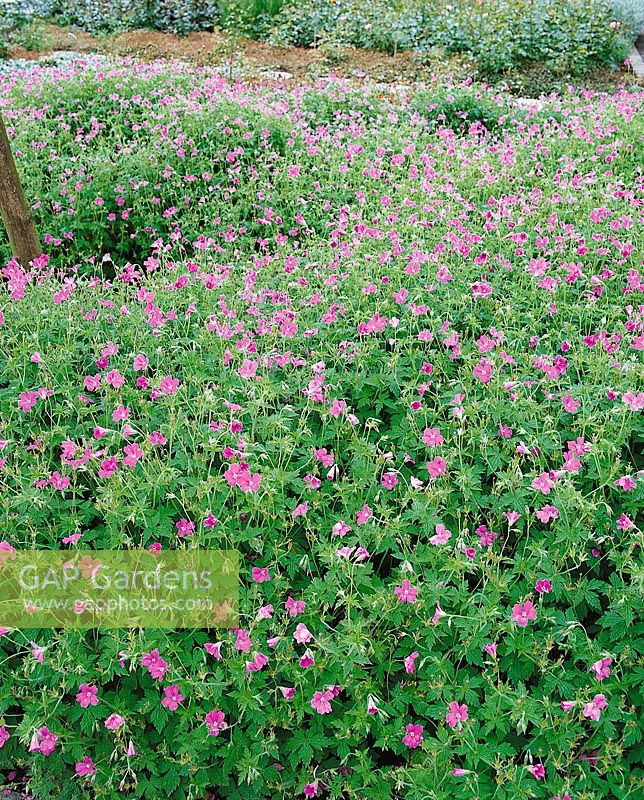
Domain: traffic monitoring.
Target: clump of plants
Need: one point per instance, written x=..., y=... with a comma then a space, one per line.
x=397, y=366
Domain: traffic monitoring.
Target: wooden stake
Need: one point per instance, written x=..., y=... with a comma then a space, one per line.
x=14, y=209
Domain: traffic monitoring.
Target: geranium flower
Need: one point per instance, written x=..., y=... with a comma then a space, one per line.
x=406, y=592
x=413, y=736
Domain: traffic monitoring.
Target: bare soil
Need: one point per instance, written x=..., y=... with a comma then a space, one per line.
x=254, y=57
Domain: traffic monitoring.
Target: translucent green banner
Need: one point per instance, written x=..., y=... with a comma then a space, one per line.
x=119, y=589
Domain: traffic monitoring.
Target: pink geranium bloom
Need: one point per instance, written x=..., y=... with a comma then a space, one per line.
x=321, y=702
x=4, y=736
x=114, y=722
x=522, y=613
x=87, y=695
x=85, y=767
x=406, y=592
x=215, y=722
x=593, y=710
x=156, y=666
x=410, y=662
x=601, y=668
x=302, y=634
x=538, y=770
x=43, y=741
x=543, y=483
x=547, y=513
x=456, y=714
x=169, y=385
x=433, y=437
x=543, y=586
x=413, y=736
x=213, y=649
x=260, y=574
x=441, y=536
x=173, y=697
x=436, y=467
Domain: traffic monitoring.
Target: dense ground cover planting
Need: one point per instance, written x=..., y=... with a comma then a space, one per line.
x=389, y=347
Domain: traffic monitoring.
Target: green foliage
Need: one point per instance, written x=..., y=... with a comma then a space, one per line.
x=346, y=285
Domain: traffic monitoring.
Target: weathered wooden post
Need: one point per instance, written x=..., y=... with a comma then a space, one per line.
x=14, y=209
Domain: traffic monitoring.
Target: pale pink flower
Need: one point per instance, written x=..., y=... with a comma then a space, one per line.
x=114, y=722
x=321, y=702
x=441, y=536
x=522, y=613
x=433, y=437
x=302, y=634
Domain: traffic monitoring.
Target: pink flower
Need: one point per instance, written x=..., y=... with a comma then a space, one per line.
x=543, y=586
x=140, y=363
x=483, y=370
x=248, y=369
x=87, y=695
x=114, y=722
x=570, y=404
x=85, y=767
x=593, y=710
x=626, y=483
x=307, y=660
x=156, y=666
x=436, y=467
x=413, y=736
x=4, y=735
x=321, y=702
x=213, y=649
x=547, y=513
x=169, y=385
x=456, y=714
x=260, y=574
x=389, y=480
x=538, y=770
x=242, y=641
x=43, y=741
x=406, y=592
x=215, y=722
x=432, y=437
x=294, y=607
x=438, y=614
x=441, y=536
x=302, y=634
x=543, y=483
x=340, y=528
x=108, y=467
x=410, y=663
x=491, y=648
x=173, y=697
x=338, y=407
x=601, y=668
x=185, y=527
x=522, y=613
